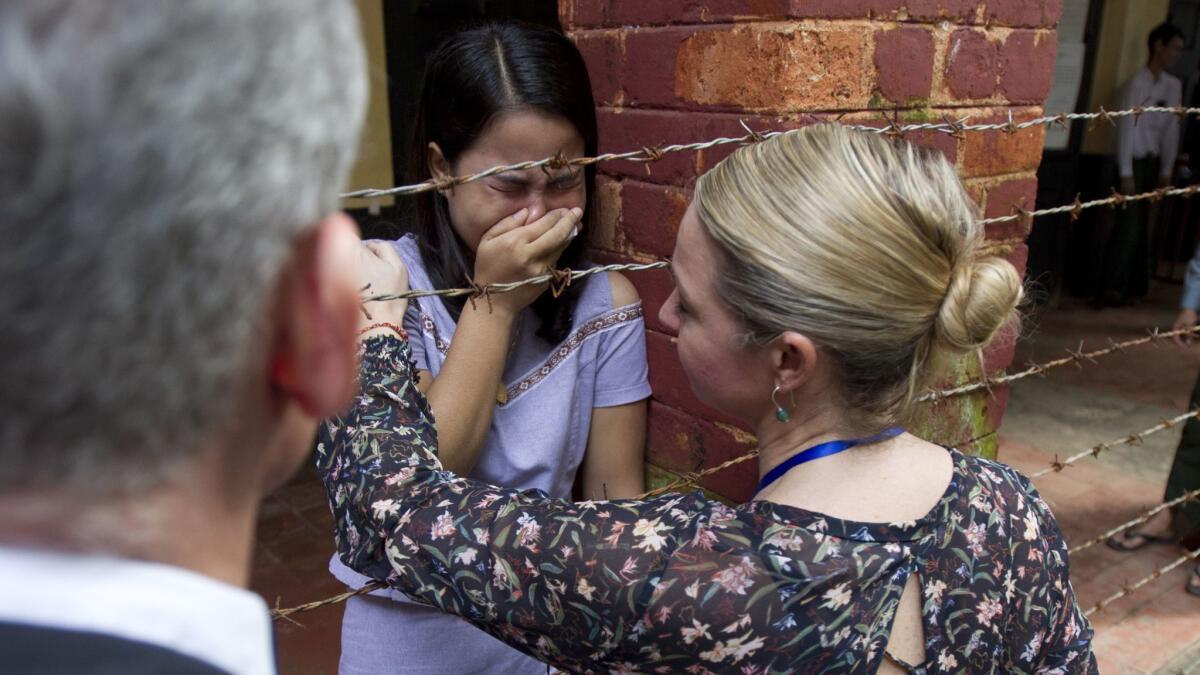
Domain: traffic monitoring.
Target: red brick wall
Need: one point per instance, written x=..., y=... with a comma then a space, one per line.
x=677, y=71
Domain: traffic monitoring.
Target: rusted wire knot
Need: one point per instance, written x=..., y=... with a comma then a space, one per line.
x=652, y=154
x=754, y=136
x=446, y=183
x=955, y=128
x=1137, y=114
x=1118, y=199
x=560, y=280
x=479, y=291
x=1023, y=214
x=1057, y=465
x=1157, y=195
x=1063, y=121
x=558, y=161
x=1107, y=117
x=1011, y=127
x=1077, y=209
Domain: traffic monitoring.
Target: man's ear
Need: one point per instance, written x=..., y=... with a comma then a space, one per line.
x=313, y=360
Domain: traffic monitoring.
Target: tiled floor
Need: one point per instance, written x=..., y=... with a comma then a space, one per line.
x=1156, y=629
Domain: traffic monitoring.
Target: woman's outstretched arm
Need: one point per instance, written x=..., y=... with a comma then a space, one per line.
x=567, y=583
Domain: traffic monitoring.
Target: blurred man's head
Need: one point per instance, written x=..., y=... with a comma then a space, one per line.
x=177, y=285
x=1166, y=45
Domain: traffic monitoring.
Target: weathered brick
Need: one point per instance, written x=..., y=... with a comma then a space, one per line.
x=574, y=13
x=998, y=355
x=994, y=153
x=653, y=54
x=904, y=63
x=1019, y=257
x=971, y=64
x=596, y=13
x=1027, y=66
x=1024, y=13
x=774, y=67
x=605, y=228
x=1003, y=199
x=682, y=442
x=961, y=11
x=670, y=383
x=844, y=9
x=650, y=216
x=602, y=53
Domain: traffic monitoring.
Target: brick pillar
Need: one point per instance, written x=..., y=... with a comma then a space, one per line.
x=677, y=71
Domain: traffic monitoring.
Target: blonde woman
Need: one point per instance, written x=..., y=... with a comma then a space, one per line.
x=819, y=275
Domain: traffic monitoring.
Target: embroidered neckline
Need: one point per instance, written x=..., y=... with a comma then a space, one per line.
x=610, y=319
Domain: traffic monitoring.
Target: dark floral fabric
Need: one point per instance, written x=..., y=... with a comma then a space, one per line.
x=682, y=583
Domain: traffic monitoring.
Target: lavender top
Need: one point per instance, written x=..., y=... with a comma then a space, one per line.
x=539, y=434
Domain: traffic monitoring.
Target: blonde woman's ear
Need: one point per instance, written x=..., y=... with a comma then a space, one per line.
x=794, y=359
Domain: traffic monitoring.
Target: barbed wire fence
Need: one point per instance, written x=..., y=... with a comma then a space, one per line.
x=1078, y=357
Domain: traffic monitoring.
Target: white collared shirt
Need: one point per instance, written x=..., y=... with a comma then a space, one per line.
x=1152, y=133
x=157, y=604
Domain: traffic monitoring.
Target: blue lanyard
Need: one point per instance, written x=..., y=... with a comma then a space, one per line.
x=823, y=450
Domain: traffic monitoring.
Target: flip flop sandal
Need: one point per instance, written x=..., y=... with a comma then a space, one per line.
x=1193, y=584
x=1132, y=541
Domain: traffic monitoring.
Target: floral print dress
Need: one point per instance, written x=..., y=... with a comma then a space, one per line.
x=682, y=583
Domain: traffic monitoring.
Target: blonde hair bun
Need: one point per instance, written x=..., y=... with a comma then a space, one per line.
x=981, y=298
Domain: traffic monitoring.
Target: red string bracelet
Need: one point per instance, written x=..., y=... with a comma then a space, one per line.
x=397, y=329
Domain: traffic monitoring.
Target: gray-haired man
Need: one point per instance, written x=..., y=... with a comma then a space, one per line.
x=179, y=297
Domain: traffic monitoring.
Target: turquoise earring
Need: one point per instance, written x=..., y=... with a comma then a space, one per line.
x=781, y=413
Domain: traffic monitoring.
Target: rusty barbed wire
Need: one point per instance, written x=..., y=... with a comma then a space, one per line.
x=1116, y=199
x=559, y=277
x=1132, y=439
x=369, y=587
x=647, y=154
x=989, y=248
x=690, y=479
x=1142, y=518
x=1075, y=357
x=1126, y=590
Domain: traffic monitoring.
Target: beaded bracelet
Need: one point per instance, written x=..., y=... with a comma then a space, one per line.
x=397, y=329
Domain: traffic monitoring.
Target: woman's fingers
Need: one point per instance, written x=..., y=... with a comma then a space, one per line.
x=507, y=225
x=556, y=234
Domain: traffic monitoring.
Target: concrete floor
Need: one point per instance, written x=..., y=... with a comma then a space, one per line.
x=1157, y=628
x=1154, y=630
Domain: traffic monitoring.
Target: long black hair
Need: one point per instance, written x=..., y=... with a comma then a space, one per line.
x=473, y=76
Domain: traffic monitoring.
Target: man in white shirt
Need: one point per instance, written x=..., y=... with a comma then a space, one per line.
x=179, y=295
x=1147, y=146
